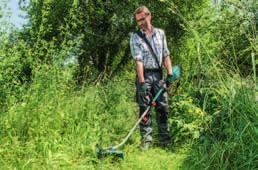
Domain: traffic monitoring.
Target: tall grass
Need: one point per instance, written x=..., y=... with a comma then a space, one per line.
x=226, y=132
x=231, y=140
x=51, y=123
x=55, y=125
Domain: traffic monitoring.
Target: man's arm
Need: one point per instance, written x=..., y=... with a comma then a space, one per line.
x=137, y=56
x=139, y=67
x=168, y=65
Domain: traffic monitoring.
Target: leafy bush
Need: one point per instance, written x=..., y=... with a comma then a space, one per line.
x=187, y=120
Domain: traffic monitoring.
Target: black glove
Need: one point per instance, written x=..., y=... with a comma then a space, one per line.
x=144, y=94
x=143, y=91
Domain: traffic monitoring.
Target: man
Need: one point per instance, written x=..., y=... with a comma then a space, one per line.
x=149, y=65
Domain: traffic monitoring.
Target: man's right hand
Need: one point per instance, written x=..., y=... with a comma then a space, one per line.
x=143, y=91
x=144, y=94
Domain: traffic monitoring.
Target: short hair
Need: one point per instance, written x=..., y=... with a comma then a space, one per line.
x=141, y=9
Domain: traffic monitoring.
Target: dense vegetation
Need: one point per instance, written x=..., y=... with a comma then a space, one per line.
x=67, y=84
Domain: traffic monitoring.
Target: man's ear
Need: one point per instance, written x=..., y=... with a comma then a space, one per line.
x=149, y=17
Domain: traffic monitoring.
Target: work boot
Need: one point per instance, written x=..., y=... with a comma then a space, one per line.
x=146, y=146
x=165, y=144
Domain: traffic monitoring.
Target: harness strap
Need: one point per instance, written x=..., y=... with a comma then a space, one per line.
x=139, y=33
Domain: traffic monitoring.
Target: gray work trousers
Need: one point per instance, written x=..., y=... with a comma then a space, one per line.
x=152, y=80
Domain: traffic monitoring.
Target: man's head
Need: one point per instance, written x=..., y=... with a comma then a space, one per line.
x=142, y=15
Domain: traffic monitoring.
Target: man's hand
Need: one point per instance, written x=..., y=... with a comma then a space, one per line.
x=169, y=80
x=143, y=89
x=176, y=73
x=144, y=93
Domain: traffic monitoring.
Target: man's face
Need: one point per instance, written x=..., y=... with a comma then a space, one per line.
x=143, y=20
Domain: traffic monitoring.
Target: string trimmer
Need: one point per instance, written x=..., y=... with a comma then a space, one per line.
x=113, y=150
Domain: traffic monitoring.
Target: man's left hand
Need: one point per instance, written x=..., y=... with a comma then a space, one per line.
x=169, y=80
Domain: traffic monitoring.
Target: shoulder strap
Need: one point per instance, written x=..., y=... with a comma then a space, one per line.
x=139, y=33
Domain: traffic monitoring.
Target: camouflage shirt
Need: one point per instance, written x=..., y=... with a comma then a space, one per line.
x=141, y=52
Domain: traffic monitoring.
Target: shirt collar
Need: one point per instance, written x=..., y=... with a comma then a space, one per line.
x=153, y=31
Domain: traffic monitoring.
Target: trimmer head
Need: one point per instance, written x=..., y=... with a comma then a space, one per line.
x=101, y=153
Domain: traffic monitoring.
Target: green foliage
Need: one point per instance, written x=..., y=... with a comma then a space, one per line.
x=187, y=120
x=52, y=117
x=49, y=120
x=102, y=25
x=14, y=68
x=229, y=142
x=219, y=36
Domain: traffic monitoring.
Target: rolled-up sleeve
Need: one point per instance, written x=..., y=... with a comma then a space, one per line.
x=165, y=51
x=135, y=48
